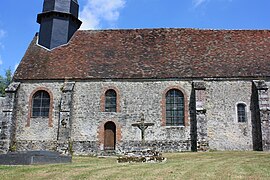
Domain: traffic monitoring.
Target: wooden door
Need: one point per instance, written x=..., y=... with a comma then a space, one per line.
x=109, y=136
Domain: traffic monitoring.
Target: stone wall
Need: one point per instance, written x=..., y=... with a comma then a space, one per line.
x=262, y=128
x=7, y=136
x=267, y=123
x=2, y=100
x=219, y=127
x=37, y=133
x=136, y=98
x=224, y=130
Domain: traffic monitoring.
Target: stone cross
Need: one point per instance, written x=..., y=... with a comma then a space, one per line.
x=142, y=125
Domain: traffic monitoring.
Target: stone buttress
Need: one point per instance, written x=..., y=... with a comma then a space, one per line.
x=199, y=130
x=261, y=117
x=7, y=137
x=64, y=125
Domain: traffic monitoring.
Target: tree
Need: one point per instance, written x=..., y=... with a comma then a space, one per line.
x=5, y=81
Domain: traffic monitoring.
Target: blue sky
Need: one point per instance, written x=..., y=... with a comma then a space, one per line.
x=18, y=18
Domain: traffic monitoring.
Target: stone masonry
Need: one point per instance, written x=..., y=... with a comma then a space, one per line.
x=8, y=135
x=223, y=129
x=2, y=100
x=64, y=125
x=262, y=122
x=200, y=119
x=77, y=122
x=136, y=98
x=37, y=133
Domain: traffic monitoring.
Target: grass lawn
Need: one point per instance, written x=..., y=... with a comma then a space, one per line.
x=209, y=165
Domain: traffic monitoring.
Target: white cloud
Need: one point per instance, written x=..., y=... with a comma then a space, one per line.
x=2, y=33
x=1, y=45
x=197, y=3
x=96, y=11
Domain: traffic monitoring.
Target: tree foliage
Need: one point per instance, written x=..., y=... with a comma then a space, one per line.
x=5, y=81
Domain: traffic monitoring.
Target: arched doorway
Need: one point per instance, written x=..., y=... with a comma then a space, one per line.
x=109, y=136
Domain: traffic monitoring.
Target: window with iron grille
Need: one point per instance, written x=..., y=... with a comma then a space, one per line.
x=110, y=101
x=241, y=112
x=41, y=104
x=174, y=108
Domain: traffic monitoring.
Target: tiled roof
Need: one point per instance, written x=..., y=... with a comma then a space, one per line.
x=151, y=53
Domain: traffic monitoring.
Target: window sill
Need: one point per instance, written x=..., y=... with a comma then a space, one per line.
x=109, y=112
x=243, y=122
x=41, y=117
x=175, y=127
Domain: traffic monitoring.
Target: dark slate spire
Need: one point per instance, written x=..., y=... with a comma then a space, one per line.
x=58, y=22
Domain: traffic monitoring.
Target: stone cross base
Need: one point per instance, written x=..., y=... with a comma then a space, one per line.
x=142, y=156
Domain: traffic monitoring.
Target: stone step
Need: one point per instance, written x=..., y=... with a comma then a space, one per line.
x=108, y=153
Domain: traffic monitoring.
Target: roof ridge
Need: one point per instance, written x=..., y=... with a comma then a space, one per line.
x=174, y=28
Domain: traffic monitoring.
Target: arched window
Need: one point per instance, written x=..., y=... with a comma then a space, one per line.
x=241, y=112
x=110, y=101
x=41, y=104
x=174, y=108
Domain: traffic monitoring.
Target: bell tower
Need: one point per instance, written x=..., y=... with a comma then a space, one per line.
x=58, y=22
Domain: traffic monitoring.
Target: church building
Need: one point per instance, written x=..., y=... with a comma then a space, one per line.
x=80, y=91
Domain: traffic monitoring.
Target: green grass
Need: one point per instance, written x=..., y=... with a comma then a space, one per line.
x=209, y=165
